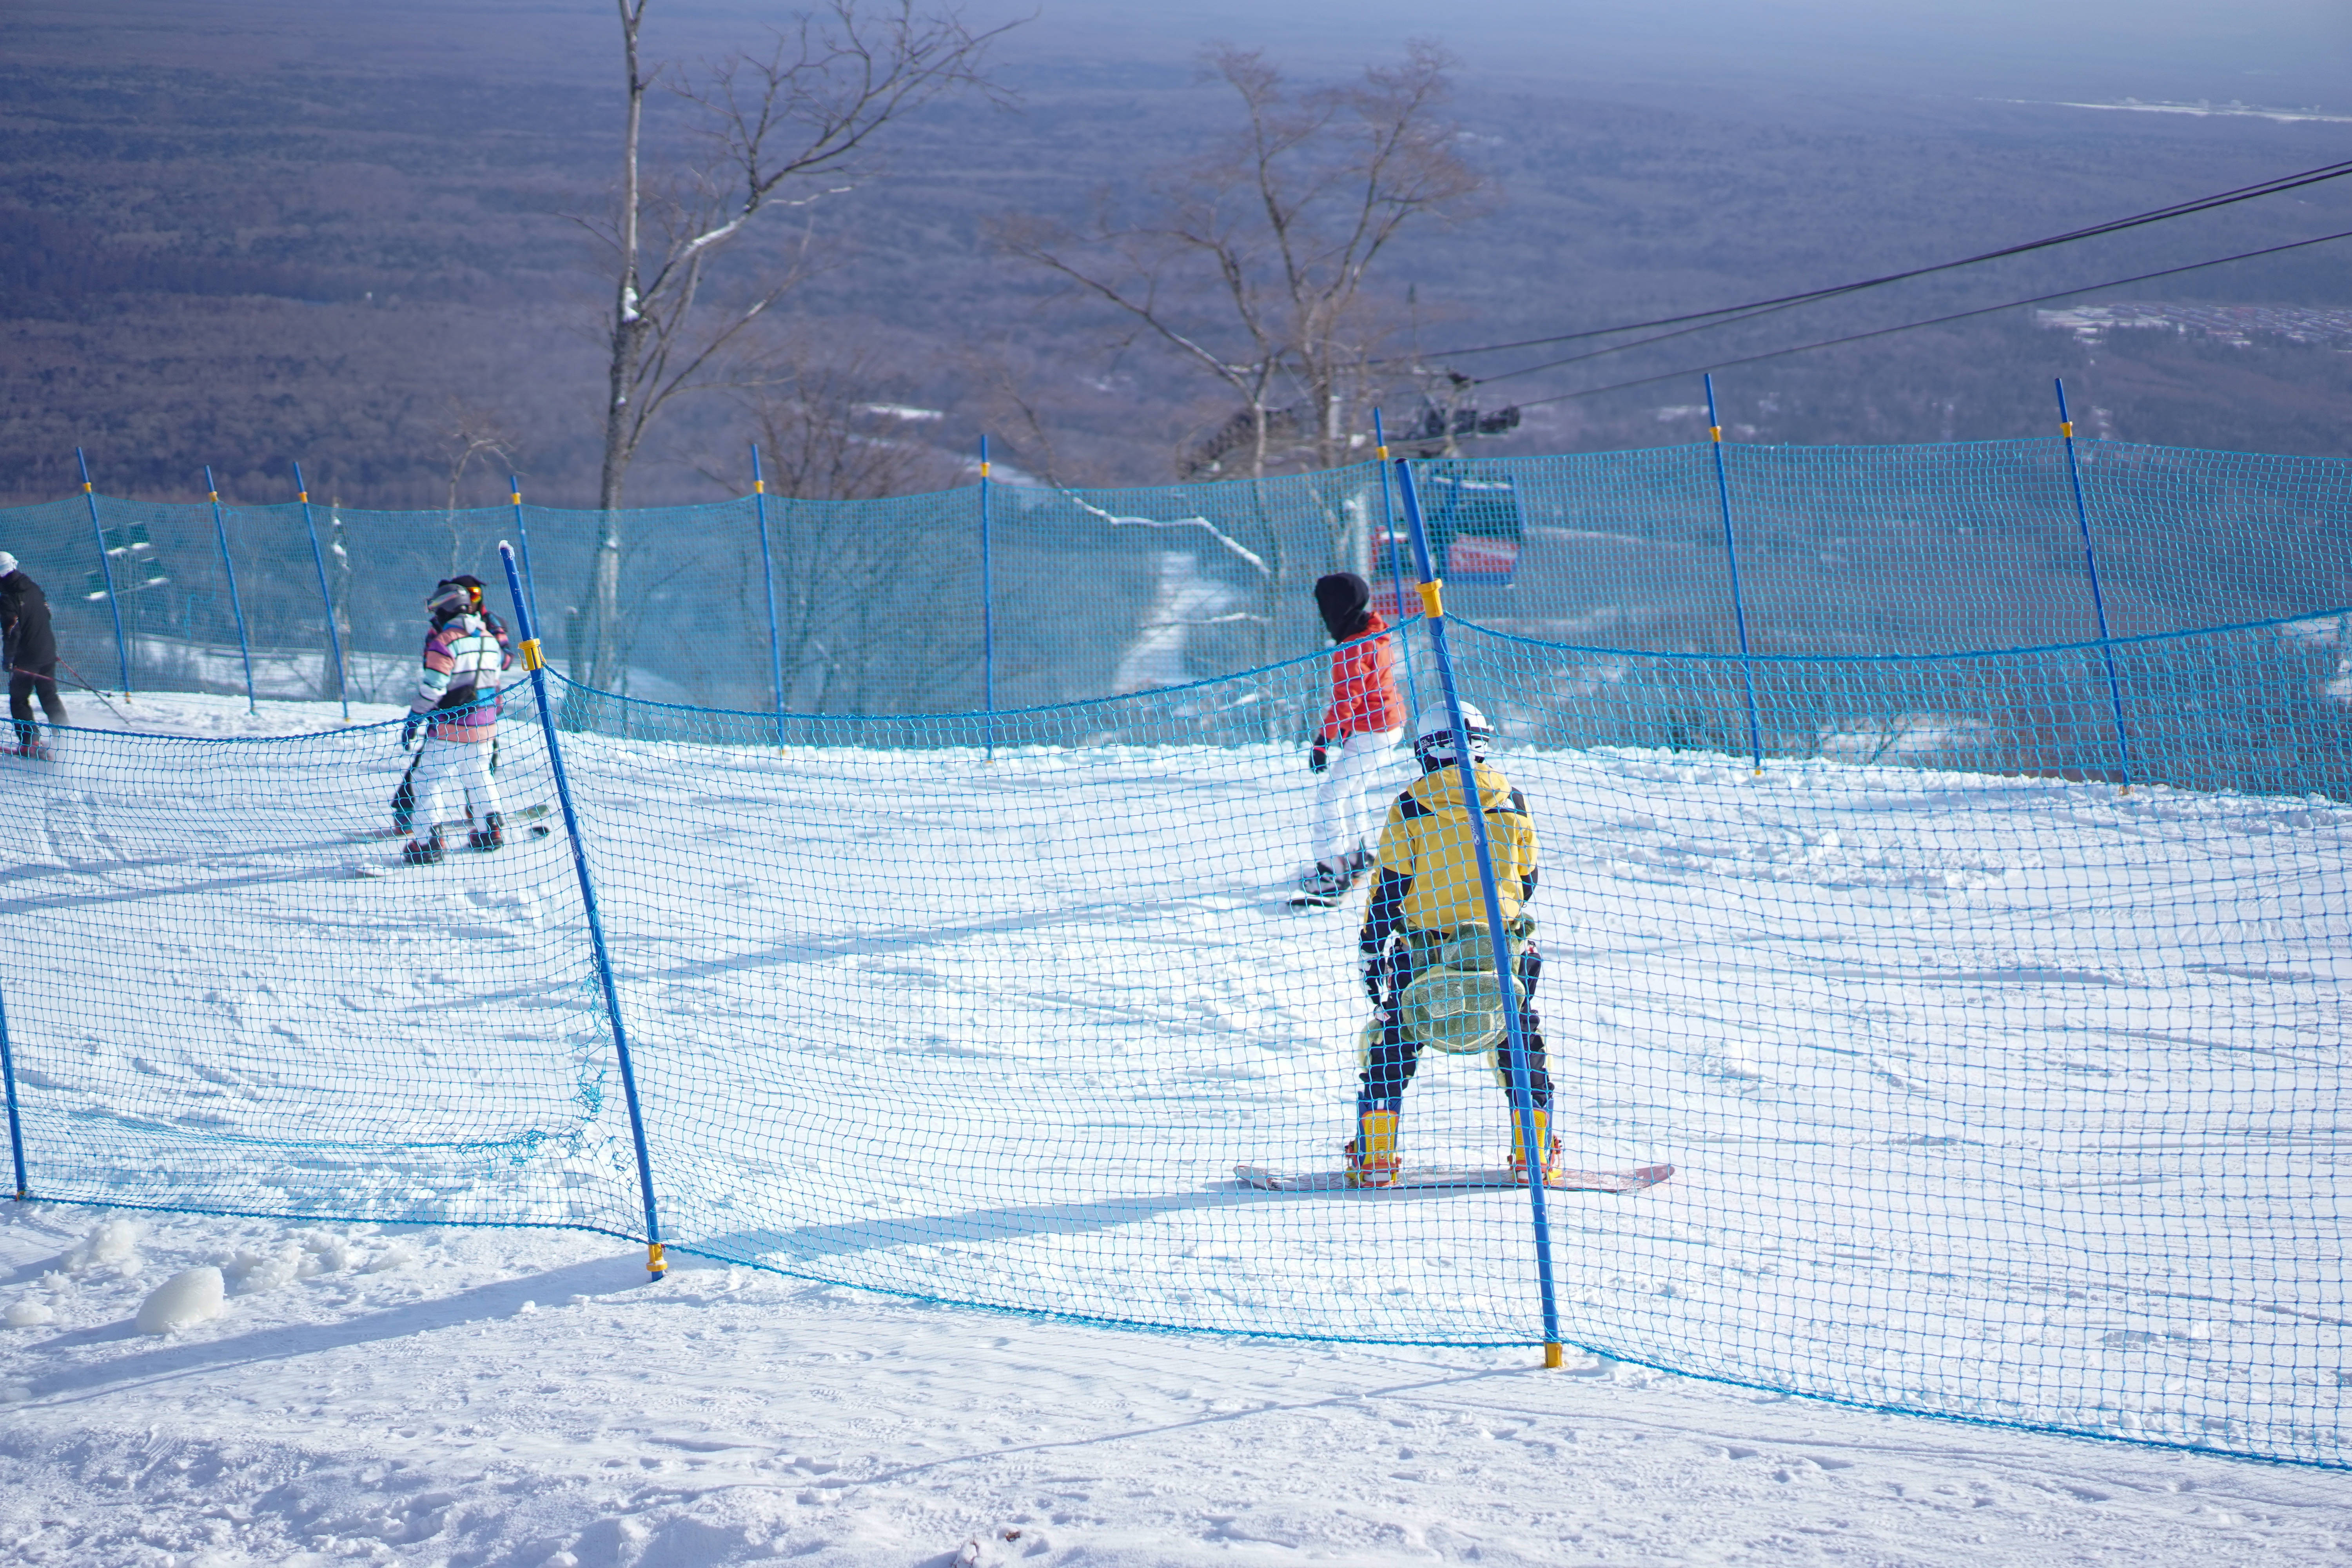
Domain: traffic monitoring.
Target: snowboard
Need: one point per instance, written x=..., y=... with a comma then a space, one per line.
x=456, y=851
x=528, y=814
x=1467, y=1177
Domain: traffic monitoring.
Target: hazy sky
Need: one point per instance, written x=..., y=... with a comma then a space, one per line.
x=2282, y=52
x=2298, y=48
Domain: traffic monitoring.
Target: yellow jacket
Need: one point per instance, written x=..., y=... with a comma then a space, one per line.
x=1428, y=863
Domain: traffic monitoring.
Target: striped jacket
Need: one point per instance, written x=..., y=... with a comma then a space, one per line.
x=463, y=658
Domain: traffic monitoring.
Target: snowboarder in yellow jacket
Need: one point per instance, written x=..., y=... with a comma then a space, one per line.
x=1428, y=900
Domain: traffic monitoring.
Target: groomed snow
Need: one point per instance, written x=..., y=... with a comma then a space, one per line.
x=505, y=1399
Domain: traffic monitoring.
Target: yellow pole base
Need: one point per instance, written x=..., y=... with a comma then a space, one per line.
x=656, y=1265
x=1551, y=1358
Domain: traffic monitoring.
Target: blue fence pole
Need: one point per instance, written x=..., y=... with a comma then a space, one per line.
x=2098, y=599
x=768, y=576
x=318, y=559
x=1738, y=600
x=106, y=567
x=1396, y=562
x=532, y=661
x=522, y=533
x=16, y=1129
x=236, y=605
x=1523, y=1111
x=987, y=610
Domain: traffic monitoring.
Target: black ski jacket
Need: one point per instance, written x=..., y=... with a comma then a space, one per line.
x=29, y=643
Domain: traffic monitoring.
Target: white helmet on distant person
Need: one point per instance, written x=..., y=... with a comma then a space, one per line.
x=1432, y=743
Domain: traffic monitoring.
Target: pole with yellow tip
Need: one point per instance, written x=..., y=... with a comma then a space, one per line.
x=236, y=605
x=768, y=577
x=2099, y=600
x=1396, y=557
x=1738, y=600
x=987, y=610
x=106, y=570
x=1515, y=1044
x=318, y=558
x=16, y=1131
x=522, y=538
x=656, y=1265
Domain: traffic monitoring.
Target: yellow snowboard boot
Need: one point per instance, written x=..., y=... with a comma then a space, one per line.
x=1372, y=1159
x=1544, y=1141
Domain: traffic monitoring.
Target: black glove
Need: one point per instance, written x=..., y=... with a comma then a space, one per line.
x=1317, y=758
x=1376, y=972
x=408, y=729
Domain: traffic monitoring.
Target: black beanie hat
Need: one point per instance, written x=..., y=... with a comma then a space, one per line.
x=1343, y=596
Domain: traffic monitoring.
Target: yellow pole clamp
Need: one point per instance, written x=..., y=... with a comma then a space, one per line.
x=1432, y=599
x=1552, y=1356
x=1715, y=433
x=2067, y=428
x=518, y=498
x=656, y=1264
x=983, y=468
x=302, y=496
x=759, y=486
x=1383, y=451
x=85, y=486
x=531, y=660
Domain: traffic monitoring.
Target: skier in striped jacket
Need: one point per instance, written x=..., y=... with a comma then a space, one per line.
x=456, y=706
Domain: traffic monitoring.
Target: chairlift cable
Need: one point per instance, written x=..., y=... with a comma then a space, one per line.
x=1730, y=314
x=1909, y=326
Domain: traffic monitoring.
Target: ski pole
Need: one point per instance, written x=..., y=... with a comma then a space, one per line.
x=78, y=680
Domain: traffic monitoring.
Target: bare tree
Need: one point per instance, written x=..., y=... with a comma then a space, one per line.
x=472, y=432
x=1252, y=263
x=833, y=430
x=779, y=128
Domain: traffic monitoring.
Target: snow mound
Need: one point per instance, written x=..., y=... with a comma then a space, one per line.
x=112, y=1243
x=188, y=1298
x=27, y=1315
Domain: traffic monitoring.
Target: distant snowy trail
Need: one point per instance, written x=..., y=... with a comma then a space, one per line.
x=2009, y=1098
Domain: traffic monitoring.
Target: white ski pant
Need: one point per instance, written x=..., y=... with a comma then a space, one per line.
x=460, y=766
x=1347, y=808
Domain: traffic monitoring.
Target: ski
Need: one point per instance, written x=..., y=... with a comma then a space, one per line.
x=1464, y=1178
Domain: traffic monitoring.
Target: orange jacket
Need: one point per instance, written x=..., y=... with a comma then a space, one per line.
x=1364, y=698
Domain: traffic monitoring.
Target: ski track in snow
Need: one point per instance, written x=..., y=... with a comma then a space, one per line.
x=1726, y=958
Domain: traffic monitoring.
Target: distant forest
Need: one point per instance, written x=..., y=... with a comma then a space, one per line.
x=362, y=259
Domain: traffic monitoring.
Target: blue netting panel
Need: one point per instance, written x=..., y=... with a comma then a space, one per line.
x=1993, y=1089
x=879, y=604
x=1997, y=1090
x=211, y=1010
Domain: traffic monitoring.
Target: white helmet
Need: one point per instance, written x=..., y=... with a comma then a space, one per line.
x=1432, y=743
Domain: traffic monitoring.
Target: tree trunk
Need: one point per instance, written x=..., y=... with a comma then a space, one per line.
x=604, y=670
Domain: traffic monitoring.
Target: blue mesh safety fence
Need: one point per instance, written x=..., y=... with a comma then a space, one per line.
x=1992, y=1088
x=1984, y=1003
x=1912, y=550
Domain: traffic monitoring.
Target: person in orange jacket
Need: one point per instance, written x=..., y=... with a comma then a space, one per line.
x=1357, y=735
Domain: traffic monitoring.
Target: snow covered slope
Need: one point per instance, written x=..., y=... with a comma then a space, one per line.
x=2008, y=1097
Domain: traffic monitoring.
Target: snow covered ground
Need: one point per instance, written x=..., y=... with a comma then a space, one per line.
x=2003, y=1097
x=517, y=1399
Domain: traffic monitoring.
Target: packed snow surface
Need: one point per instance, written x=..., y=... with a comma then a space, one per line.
x=514, y=1399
